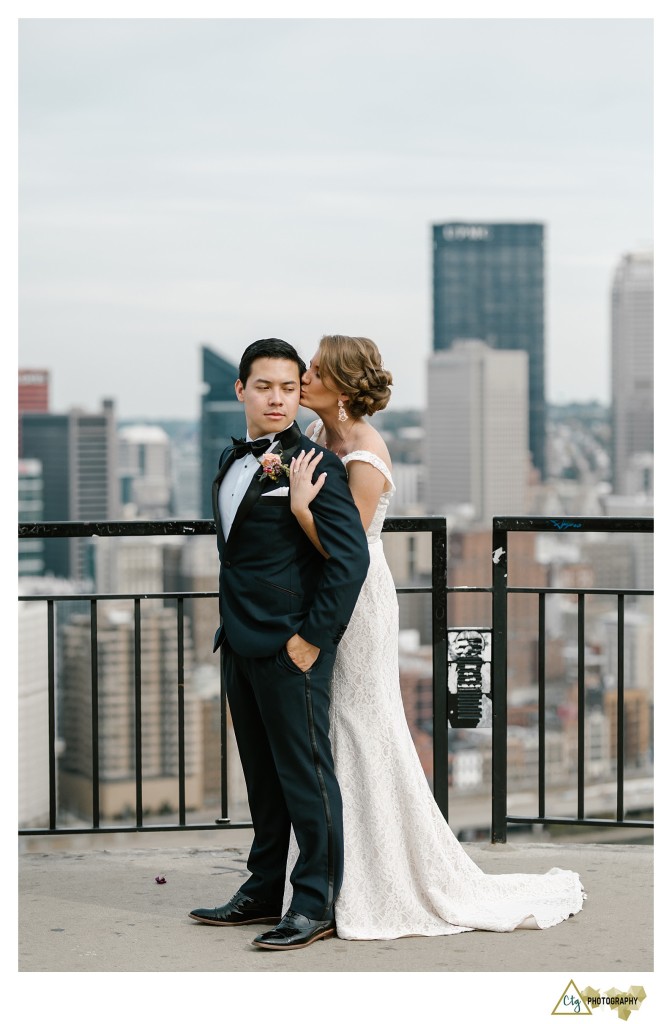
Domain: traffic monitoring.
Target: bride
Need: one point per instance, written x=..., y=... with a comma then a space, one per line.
x=405, y=872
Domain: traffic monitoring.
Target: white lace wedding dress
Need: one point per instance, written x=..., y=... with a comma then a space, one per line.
x=405, y=873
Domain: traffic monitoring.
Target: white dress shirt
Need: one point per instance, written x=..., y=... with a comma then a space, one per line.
x=235, y=483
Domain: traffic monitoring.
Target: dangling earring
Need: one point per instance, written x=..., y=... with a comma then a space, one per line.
x=342, y=414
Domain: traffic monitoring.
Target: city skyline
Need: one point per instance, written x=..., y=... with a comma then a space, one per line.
x=210, y=182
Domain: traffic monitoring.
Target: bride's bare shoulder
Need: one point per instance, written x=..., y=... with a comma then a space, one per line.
x=373, y=441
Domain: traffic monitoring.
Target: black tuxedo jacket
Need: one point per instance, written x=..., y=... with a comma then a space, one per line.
x=272, y=581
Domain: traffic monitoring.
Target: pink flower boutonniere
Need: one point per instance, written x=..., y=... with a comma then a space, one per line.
x=272, y=466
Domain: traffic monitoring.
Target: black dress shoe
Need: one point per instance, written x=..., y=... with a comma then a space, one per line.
x=240, y=909
x=295, y=931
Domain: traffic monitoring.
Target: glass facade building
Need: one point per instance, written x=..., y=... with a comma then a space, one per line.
x=488, y=284
x=222, y=416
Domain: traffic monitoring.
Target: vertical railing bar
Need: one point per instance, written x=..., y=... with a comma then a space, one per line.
x=499, y=684
x=439, y=604
x=138, y=714
x=620, y=718
x=180, y=710
x=224, y=743
x=95, y=759
x=51, y=698
x=542, y=706
x=581, y=699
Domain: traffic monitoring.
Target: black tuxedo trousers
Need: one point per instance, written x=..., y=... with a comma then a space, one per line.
x=274, y=584
x=281, y=721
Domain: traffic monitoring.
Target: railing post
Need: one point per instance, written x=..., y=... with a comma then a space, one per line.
x=51, y=691
x=581, y=700
x=95, y=730
x=180, y=713
x=137, y=683
x=224, y=745
x=499, y=682
x=620, y=716
x=440, y=668
x=541, y=691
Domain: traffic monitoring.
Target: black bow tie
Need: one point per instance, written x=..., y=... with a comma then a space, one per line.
x=242, y=448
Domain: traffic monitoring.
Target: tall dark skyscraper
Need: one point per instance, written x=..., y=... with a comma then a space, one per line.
x=222, y=416
x=489, y=285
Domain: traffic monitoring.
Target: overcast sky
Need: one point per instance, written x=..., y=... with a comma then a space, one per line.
x=218, y=181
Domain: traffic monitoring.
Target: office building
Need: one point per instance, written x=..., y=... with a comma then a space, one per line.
x=136, y=565
x=31, y=509
x=410, y=482
x=222, y=417
x=636, y=505
x=477, y=443
x=145, y=471
x=186, y=477
x=632, y=373
x=33, y=394
x=33, y=391
x=488, y=283
x=78, y=452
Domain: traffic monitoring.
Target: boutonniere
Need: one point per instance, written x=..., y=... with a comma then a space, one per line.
x=272, y=467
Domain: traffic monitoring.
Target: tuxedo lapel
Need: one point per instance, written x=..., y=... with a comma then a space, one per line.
x=225, y=462
x=289, y=441
x=251, y=495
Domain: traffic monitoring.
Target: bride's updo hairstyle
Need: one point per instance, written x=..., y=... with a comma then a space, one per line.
x=355, y=367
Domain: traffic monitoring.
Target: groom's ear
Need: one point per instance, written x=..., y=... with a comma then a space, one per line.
x=239, y=388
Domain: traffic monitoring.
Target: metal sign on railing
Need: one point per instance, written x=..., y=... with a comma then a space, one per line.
x=469, y=658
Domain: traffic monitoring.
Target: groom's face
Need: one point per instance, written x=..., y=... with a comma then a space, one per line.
x=270, y=395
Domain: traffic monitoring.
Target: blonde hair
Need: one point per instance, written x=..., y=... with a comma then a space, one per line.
x=356, y=368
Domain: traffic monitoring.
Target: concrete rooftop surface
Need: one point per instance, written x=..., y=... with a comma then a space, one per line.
x=91, y=904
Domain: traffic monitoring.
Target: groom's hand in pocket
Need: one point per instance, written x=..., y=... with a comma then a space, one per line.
x=303, y=654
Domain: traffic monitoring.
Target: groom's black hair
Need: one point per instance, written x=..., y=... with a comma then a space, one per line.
x=268, y=348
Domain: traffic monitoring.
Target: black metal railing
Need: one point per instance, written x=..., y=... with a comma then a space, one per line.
x=435, y=525
x=442, y=715
x=501, y=529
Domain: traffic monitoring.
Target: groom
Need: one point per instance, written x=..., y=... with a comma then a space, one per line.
x=283, y=609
